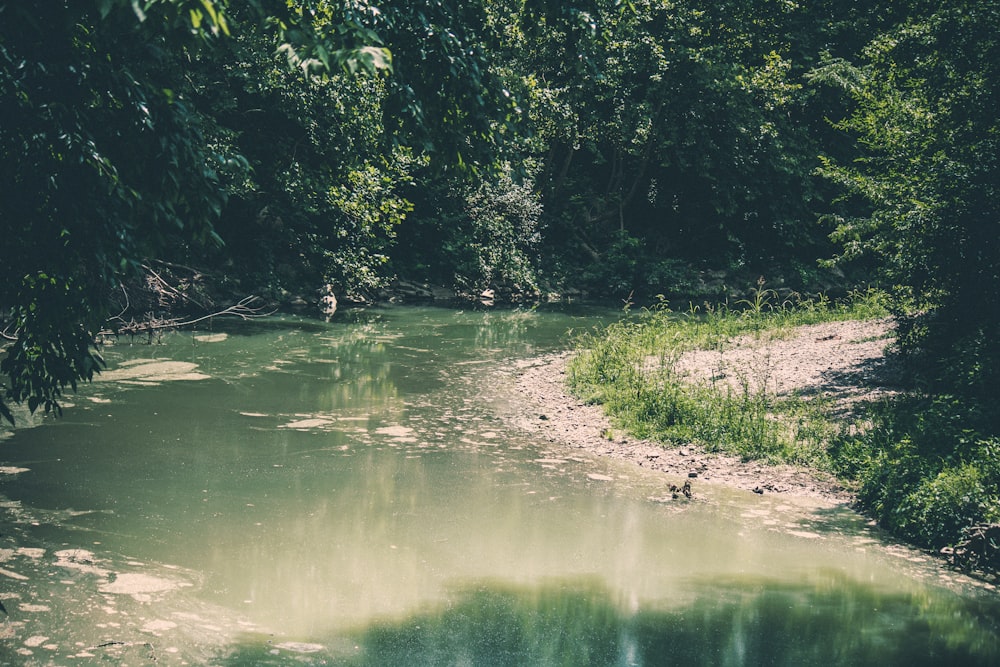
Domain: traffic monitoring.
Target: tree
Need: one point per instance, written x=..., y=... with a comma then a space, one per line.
x=321, y=188
x=668, y=131
x=926, y=97
x=99, y=165
x=113, y=148
x=335, y=158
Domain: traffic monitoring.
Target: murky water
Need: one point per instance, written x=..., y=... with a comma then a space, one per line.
x=296, y=492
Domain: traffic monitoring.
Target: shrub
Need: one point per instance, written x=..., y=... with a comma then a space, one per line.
x=926, y=471
x=941, y=506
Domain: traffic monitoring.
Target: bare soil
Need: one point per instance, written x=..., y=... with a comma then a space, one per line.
x=840, y=360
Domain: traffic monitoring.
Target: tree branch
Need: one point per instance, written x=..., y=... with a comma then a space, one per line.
x=243, y=309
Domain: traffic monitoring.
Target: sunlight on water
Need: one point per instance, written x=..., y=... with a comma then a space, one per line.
x=295, y=492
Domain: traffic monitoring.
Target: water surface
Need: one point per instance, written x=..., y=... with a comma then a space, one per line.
x=349, y=493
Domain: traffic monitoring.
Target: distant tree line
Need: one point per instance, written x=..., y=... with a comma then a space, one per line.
x=616, y=146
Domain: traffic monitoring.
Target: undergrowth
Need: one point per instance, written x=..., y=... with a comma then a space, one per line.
x=927, y=467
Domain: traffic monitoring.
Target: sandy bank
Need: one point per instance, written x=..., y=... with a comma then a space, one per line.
x=838, y=359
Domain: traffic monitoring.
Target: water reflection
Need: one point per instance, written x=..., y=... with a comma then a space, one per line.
x=827, y=621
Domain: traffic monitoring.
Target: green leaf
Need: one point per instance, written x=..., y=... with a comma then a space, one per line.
x=377, y=58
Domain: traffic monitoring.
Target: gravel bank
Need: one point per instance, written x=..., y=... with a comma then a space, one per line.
x=837, y=359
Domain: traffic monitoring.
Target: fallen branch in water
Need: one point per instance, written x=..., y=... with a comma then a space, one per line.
x=243, y=309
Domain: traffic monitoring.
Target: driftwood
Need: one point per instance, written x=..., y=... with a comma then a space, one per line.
x=167, y=296
x=150, y=325
x=979, y=549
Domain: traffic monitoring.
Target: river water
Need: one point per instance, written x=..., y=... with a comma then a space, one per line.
x=288, y=492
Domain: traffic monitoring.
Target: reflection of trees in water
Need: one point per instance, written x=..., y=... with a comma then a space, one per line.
x=361, y=387
x=343, y=527
x=343, y=376
x=729, y=623
x=503, y=329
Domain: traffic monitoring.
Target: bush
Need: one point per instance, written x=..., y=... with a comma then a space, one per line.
x=927, y=468
x=473, y=233
x=942, y=506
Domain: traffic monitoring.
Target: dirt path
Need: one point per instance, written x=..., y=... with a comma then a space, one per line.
x=837, y=359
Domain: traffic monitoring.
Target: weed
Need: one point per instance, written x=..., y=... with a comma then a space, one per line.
x=633, y=368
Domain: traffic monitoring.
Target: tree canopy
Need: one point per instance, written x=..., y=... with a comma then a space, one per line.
x=137, y=130
x=926, y=94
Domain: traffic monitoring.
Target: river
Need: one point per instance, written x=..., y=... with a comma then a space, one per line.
x=288, y=491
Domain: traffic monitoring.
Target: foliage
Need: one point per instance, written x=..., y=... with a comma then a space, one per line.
x=925, y=118
x=922, y=208
x=100, y=165
x=500, y=249
x=475, y=234
x=927, y=467
x=445, y=98
x=159, y=129
x=318, y=197
x=667, y=131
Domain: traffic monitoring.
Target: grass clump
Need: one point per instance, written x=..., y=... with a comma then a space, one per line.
x=633, y=368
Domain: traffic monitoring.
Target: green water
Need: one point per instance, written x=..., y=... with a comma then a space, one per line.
x=296, y=492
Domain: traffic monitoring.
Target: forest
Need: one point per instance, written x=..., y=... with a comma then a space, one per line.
x=618, y=149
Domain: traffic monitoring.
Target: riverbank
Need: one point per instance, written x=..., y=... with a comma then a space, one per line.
x=836, y=360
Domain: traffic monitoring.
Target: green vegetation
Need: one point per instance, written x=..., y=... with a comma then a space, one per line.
x=634, y=368
x=925, y=466
x=925, y=96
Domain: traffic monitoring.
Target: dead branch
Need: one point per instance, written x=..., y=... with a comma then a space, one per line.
x=126, y=306
x=170, y=288
x=174, y=265
x=243, y=309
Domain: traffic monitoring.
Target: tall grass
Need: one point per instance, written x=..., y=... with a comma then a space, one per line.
x=632, y=368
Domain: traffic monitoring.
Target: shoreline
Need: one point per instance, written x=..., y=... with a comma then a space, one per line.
x=550, y=412
x=835, y=358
